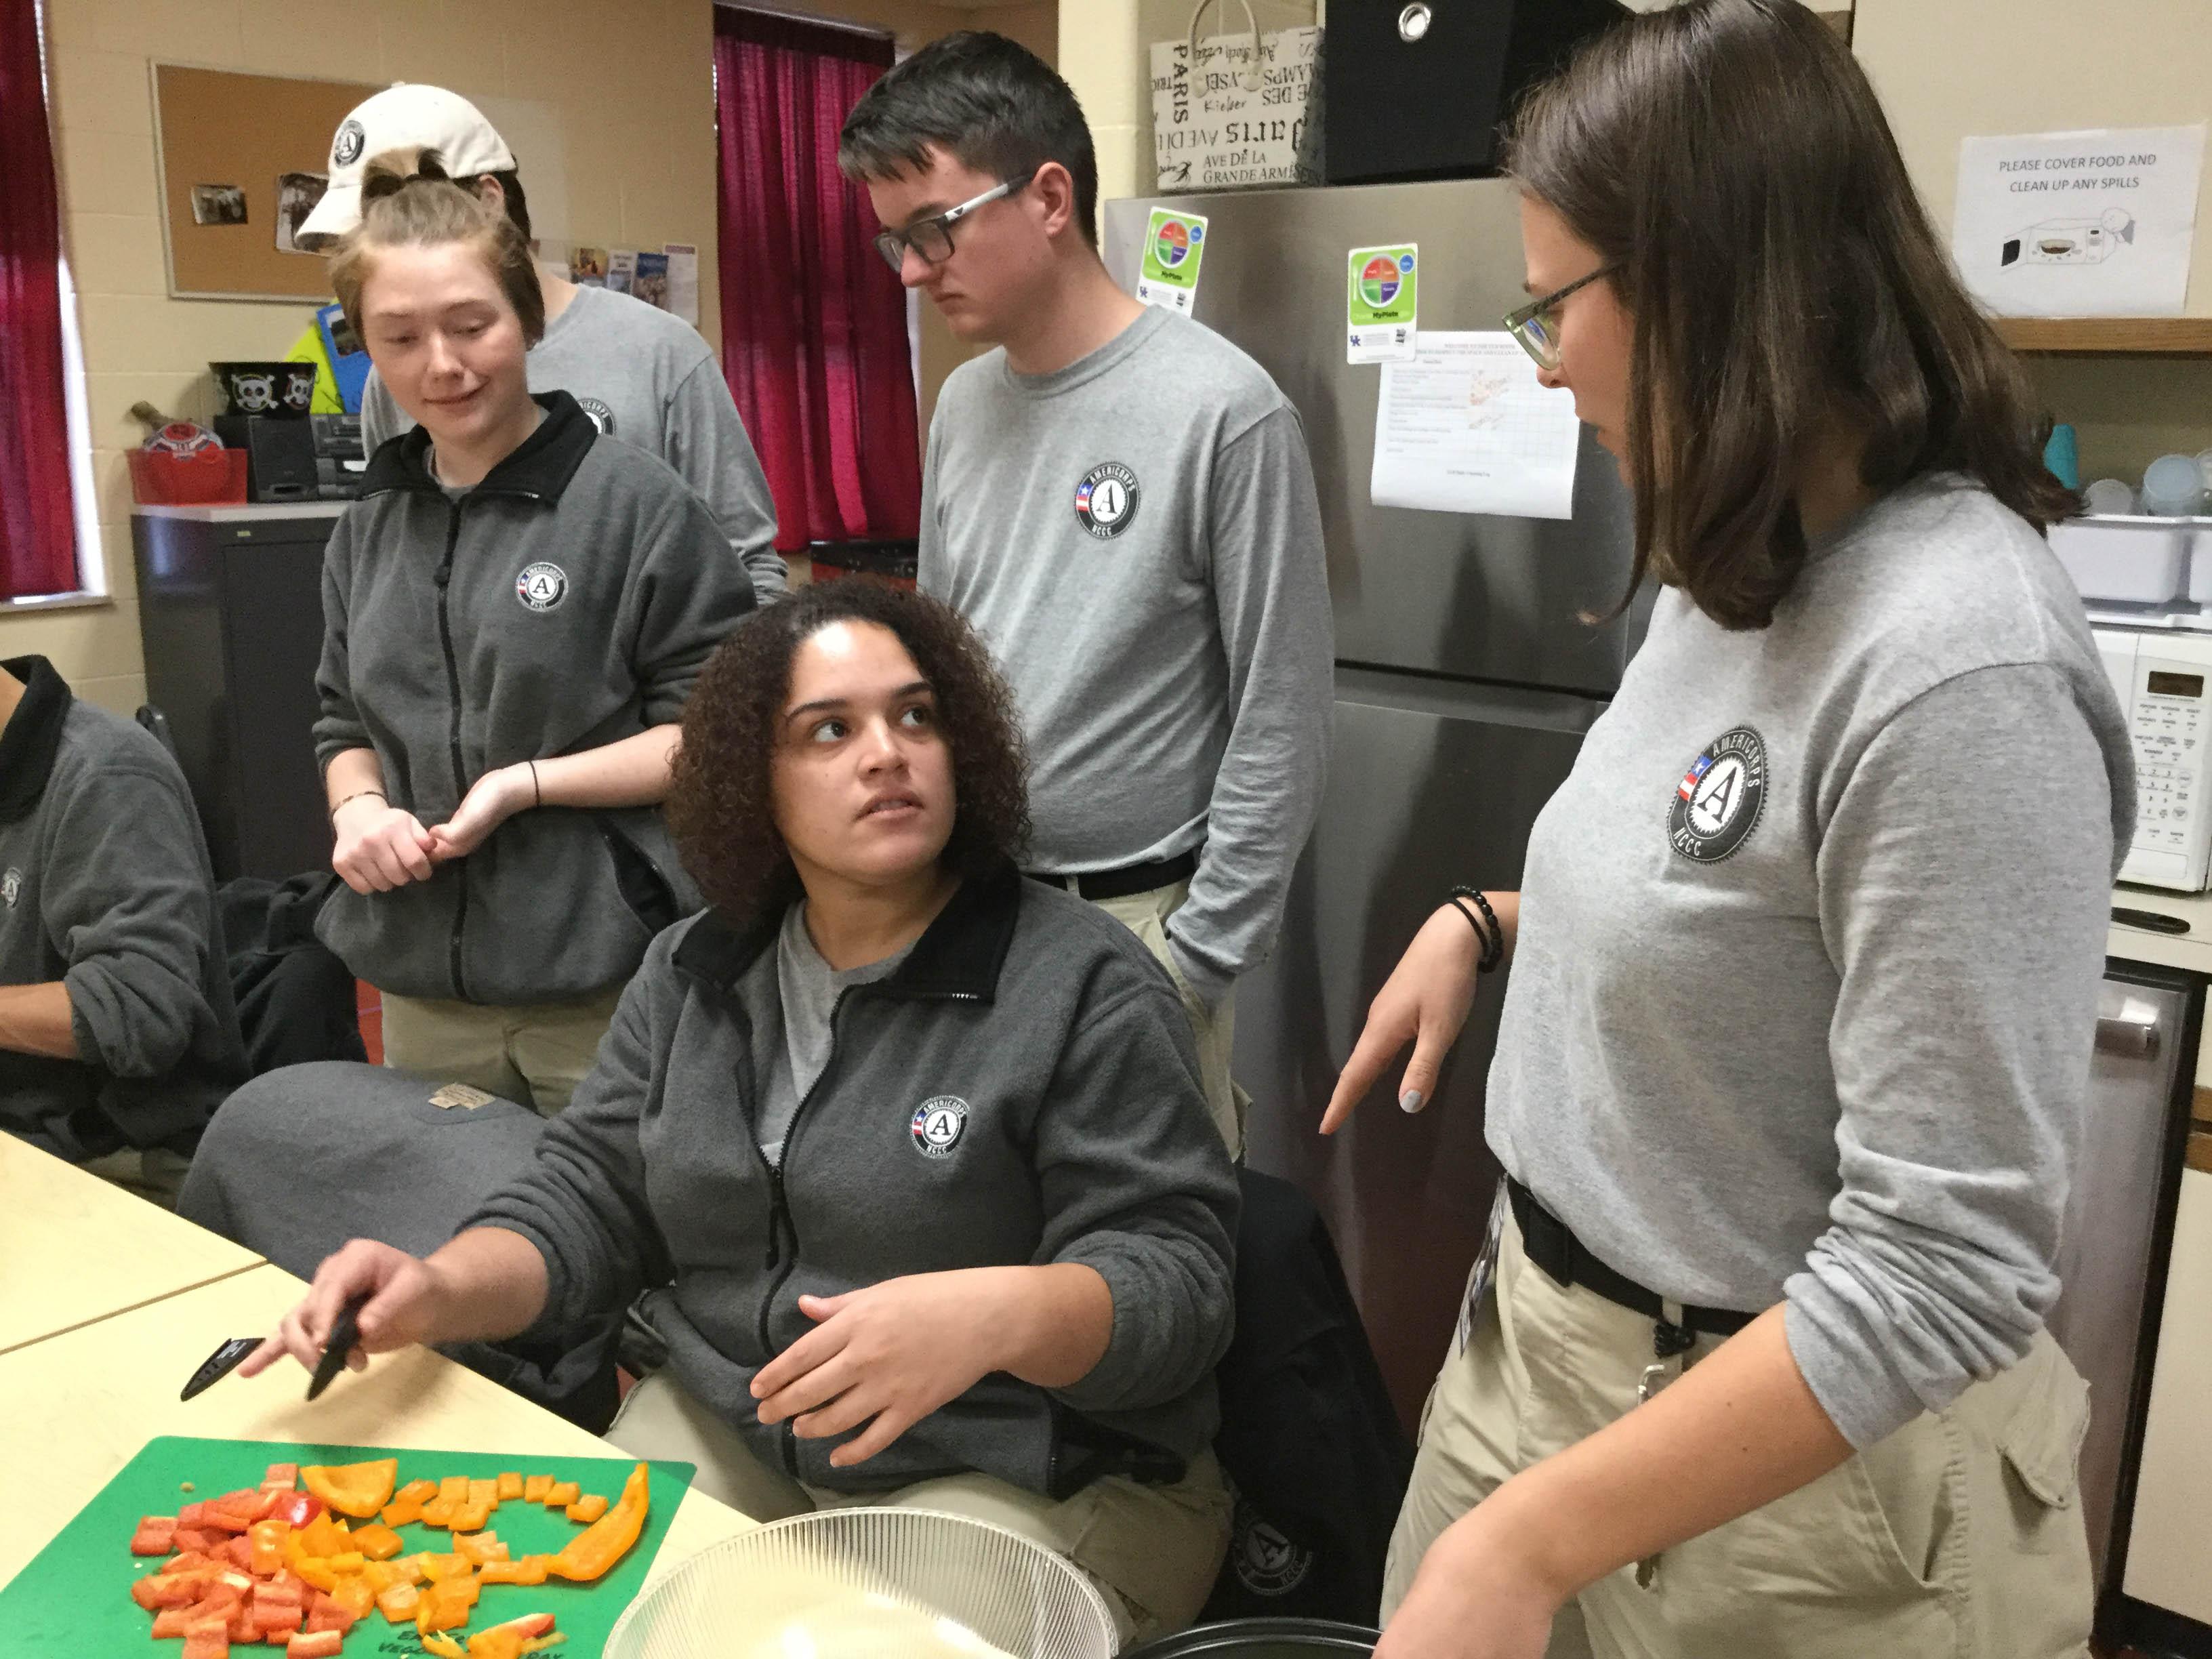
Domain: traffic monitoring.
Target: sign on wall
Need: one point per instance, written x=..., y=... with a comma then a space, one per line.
x=1213, y=131
x=2079, y=224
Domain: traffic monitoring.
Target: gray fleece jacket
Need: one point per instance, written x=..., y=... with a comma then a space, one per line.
x=566, y=602
x=1023, y=1089
x=105, y=886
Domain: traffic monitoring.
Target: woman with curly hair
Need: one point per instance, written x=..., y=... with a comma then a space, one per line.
x=915, y=1151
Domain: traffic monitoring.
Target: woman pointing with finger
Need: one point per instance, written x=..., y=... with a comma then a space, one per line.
x=1790, y=1075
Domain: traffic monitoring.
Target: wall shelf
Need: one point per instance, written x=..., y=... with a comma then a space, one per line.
x=2123, y=335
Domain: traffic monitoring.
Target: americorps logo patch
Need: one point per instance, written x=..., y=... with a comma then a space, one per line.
x=1106, y=500
x=11, y=886
x=542, y=586
x=1720, y=799
x=938, y=1124
x=602, y=416
x=1266, y=1561
x=345, y=148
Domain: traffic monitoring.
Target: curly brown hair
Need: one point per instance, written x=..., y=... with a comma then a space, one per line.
x=720, y=808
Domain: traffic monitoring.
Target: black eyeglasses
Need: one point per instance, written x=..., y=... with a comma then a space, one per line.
x=1531, y=324
x=931, y=238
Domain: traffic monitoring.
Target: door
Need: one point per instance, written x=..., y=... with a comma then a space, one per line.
x=2118, y=1215
x=1430, y=785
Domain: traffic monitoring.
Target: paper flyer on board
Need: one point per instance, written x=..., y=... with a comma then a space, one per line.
x=683, y=280
x=1175, y=248
x=622, y=269
x=1381, y=286
x=2097, y=223
x=1465, y=427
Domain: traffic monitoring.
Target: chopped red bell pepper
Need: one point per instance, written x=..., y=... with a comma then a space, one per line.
x=317, y=1644
x=156, y=1536
x=297, y=1509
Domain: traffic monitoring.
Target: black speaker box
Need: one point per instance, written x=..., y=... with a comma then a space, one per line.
x=280, y=456
x=1423, y=91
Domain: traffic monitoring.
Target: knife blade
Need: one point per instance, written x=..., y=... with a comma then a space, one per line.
x=344, y=1335
x=219, y=1365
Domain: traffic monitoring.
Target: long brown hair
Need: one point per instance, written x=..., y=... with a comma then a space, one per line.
x=1729, y=156
x=408, y=201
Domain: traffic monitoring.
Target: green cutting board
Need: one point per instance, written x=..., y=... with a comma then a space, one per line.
x=74, y=1599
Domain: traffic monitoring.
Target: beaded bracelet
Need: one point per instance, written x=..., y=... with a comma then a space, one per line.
x=1493, y=935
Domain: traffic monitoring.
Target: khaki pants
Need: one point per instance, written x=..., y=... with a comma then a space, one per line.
x=1146, y=915
x=535, y=1055
x=1960, y=1536
x=154, y=1174
x=1152, y=1552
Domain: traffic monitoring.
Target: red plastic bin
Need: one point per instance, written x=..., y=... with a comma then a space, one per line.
x=212, y=478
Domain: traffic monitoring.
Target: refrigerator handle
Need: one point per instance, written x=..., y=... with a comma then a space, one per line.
x=2131, y=1030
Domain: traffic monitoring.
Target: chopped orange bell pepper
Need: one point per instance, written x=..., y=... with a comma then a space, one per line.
x=316, y=1569
x=606, y=1540
x=439, y=1568
x=454, y=1489
x=346, y=1564
x=485, y=1492
x=355, y=1596
x=535, y=1488
x=267, y=1547
x=588, y=1508
x=444, y=1646
x=416, y=1492
x=378, y=1542
x=474, y=1517
x=510, y=1486
x=355, y=1489
x=481, y=1547
x=399, y=1602
x=530, y=1570
x=562, y=1493
x=401, y=1512
x=322, y=1536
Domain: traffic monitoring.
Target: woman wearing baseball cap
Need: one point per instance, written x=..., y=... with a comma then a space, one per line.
x=515, y=612
x=643, y=375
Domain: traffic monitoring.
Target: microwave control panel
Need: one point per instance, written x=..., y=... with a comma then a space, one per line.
x=2164, y=682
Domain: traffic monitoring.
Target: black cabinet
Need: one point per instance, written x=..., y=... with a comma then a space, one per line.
x=230, y=610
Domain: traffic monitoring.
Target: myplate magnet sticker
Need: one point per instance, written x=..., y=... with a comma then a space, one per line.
x=1379, y=284
x=1175, y=247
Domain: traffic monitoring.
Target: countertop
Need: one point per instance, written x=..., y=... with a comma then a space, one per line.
x=248, y=513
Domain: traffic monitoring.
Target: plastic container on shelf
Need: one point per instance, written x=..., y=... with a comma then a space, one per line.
x=212, y=478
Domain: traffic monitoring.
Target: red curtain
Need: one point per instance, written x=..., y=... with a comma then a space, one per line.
x=37, y=533
x=814, y=340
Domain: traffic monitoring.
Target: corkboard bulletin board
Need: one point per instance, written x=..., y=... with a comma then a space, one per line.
x=220, y=128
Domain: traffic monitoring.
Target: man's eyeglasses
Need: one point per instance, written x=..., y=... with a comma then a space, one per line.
x=1532, y=323
x=931, y=238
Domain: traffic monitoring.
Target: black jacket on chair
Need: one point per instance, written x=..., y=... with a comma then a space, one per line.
x=1309, y=1436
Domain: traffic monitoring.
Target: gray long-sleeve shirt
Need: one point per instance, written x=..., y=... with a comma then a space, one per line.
x=648, y=378
x=1138, y=537
x=1808, y=955
x=105, y=887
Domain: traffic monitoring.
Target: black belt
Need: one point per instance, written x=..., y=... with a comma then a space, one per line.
x=1552, y=1246
x=1130, y=879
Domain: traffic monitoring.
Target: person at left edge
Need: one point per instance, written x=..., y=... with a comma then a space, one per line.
x=515, y=612
x=117, y=1038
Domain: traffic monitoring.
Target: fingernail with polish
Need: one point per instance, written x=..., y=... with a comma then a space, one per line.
x=1410, y=1101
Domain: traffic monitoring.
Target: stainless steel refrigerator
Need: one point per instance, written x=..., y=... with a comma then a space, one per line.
x=1466, y=677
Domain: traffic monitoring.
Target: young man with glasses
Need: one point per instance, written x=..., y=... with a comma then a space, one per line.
x=1122, y=501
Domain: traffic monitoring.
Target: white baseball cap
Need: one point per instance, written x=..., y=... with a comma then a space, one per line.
x=403, y=117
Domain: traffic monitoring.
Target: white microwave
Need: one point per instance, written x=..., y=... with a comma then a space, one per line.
x=2163, y=678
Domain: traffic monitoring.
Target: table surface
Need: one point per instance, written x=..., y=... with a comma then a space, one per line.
x=78, y=1406
x=74, y=1249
